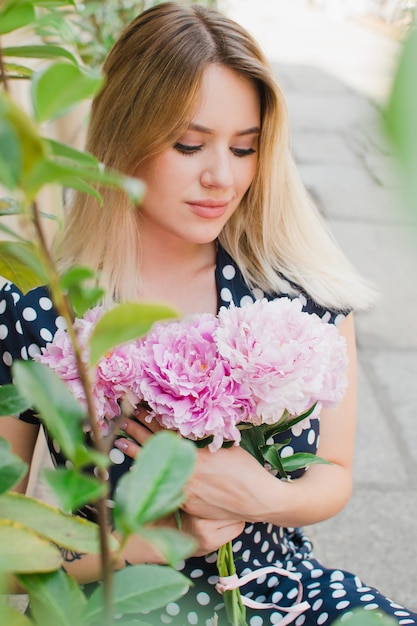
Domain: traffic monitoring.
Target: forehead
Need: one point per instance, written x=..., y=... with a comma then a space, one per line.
x=227, y=99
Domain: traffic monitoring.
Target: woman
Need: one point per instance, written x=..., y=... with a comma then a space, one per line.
x=191, y=107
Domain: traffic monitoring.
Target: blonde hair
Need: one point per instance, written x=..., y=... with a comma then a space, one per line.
x=153, y=77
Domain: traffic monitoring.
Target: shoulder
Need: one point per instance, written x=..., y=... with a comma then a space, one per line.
x=232, y=288
x=27, y=322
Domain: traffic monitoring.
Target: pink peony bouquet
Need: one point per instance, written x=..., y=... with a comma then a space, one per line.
x=237, y=378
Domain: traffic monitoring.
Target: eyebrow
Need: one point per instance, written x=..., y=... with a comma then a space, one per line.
x=254, y=130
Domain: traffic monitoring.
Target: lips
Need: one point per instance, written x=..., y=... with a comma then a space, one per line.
x=209, y=209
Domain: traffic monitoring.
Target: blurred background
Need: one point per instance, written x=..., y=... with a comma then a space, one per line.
x=336, y=61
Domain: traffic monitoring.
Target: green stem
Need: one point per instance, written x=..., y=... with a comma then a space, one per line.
x=235, y=609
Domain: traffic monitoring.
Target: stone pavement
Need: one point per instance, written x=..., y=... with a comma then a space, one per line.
x=336, y=74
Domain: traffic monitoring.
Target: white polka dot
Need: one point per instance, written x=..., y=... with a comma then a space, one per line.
x=105, y=473
x=33, y=349
x=246, y=300
x=56, y=446
x=46, y=334
x=4, y=331
x=60, y=323
x=316, y=573
x=326, y=317
x=7, y=359
x=317, y=605
x=249, y=529
x=367, y=597
x=257, y=536
x=277, y=597
x=342, y=605
x=346, y=616
x=300, y=620
x=370, y=607
x=24, y=352
x=407, y=621
x=213, y=580
x=237, y=546
x=256, y=621
x=276, y=618
x=203, y=598
x=18, y=327
x=229, y=272
x=265, y=546
x=3, y=305
x=270, y=556
x=116, y=456
x=337, y=575
x=16, y=297
x=45, y=303
x=314, y=593
x=246, y=555
x=311, y=437
x=211, y=558
x=322, y=619
x=172, y=608
x=226, y=295
x=286, y=451
x=165, y=619
x=402, y=613
x=302, y=299
x=272, y=581
x=339, y=319
x=192, y=618
x=69, y=464
x=196, y=573
x=29, y=314
x=339, y=593
x=258, y=294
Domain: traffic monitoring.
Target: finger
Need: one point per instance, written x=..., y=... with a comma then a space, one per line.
x=142, y=416
x=129, y=448
x=138, y=431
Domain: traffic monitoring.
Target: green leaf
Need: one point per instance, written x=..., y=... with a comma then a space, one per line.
x=32, y=145
x=302, y=459
x=55, y=599
x=63, y=150
x=15, y=70
x=12, y=468
x=125, y=322
x=25, y=254
x=252, y=440
x=11, y=160
x=154, y=486
x=15, y=16
x=12, y=617
x=11, y=401
x=22, y=550
x=137, y=589
x=172, y=544
x=82, y=297
x=271, y=456
x=400, y=117
x=69, y=531
x=74, y=489
x=59, y=410
x=59, y=87
x=44, y=51
x=47, y=171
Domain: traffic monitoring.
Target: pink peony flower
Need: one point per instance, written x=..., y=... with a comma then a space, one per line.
x=289, y=358
x=188, y=387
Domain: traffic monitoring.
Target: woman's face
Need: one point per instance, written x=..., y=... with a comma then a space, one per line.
x=194, y=186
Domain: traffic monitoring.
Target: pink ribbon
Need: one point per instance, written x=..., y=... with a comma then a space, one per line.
x=228, y=583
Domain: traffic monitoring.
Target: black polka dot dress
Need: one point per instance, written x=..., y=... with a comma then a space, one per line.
x=28, y=322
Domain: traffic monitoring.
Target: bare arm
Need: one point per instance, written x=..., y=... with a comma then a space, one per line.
x=22, y=437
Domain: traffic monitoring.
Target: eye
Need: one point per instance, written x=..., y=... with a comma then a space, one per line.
x=241, y=152
x=187, y=149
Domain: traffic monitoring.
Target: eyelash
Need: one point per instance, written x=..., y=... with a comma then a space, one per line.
x=190, y=150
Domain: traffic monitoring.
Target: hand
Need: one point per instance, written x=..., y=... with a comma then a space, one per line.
x=210, y=534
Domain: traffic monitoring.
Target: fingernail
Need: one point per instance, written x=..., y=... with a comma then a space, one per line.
x=121, y=444
x=123, y=424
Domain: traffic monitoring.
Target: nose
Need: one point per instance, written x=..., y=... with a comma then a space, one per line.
x=218, y=172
